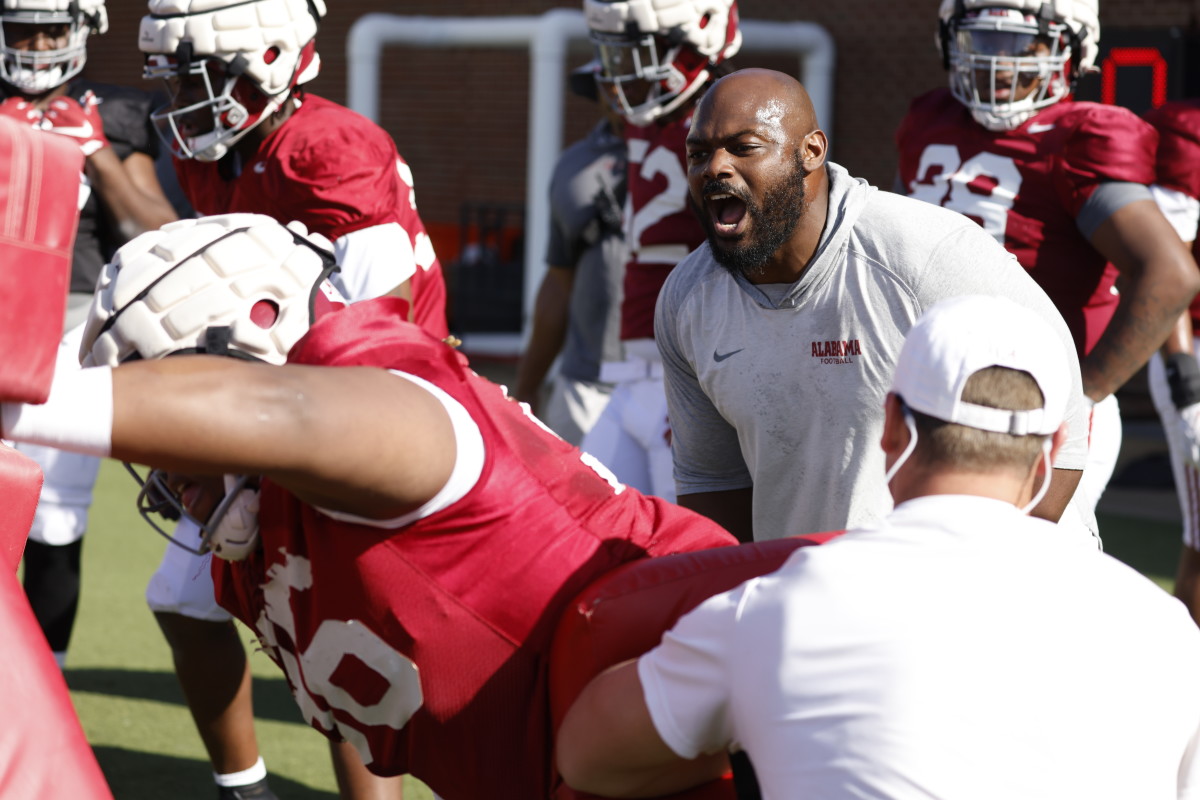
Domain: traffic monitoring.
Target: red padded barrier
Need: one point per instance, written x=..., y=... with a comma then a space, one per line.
x=39, y=212
x=20, y=485
x=43, y=752
x=625, y=613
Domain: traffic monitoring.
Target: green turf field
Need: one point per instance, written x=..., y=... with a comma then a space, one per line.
x=133, y=712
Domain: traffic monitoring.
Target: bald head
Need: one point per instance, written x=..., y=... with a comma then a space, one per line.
x=773, y=99
x=756, y=174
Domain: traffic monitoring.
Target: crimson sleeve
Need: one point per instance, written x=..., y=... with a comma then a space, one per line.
x=1178, y=162
x=1107, y=143
x=342, y=181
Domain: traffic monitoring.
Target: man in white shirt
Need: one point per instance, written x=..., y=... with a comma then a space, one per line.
x=958, y=649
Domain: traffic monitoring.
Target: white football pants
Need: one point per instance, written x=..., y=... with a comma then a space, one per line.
x=632, y=437
x=1187, y=478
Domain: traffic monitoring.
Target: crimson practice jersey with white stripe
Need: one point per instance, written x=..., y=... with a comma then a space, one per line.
x=1027, y=186
x=659, y=226
x=426, y=644
x=338, y=173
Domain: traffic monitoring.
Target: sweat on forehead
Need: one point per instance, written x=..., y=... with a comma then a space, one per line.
x=772, y=99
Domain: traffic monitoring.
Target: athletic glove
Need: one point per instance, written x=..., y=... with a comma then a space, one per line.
x=1183, y=376
x=22, y=111
x=79, y=120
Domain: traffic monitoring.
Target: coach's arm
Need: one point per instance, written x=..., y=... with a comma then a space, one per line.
x=608, y=744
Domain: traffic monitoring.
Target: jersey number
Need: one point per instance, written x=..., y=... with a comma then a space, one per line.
x=311, y=672
x=671, y=200
x=983, y=187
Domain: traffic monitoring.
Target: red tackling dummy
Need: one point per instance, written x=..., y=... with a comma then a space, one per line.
x=43, y=752
x=625, y=613
x=20, y=485
x=39, y=211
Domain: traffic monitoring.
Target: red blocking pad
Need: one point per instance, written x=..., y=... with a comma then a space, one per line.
x=43, y=752
x=20, y=485
x=39, y=211
x=624, y=614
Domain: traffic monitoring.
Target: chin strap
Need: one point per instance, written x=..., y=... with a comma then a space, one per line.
x=1045, y=487
x=235, y=534
x=911, y=424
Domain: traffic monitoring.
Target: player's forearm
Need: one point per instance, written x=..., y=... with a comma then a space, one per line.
x=191, y=414
x=550, y=314
x=202, y=415
x=135, y=210
x=1062, y=488
x=545, y=343
x=1181, y=338
x=1144, y=320
x=359, y=440
x=1158, y=280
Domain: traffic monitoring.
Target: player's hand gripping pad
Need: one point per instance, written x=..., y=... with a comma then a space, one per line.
x=20, y=486
x=39, y=211
x=625, y=613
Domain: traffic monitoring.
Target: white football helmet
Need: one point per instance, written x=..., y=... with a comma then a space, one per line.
x=1008, y=59
x=656, y=54
x=34, y=71
x=246, y=55
x=240, y=285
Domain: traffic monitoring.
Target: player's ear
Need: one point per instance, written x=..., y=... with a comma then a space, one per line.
x=895, y=432
x=814, y=149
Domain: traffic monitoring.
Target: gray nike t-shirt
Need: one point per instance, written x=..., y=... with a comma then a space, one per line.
x=781, y=387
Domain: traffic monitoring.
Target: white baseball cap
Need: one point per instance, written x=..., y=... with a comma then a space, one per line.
x=958, y=337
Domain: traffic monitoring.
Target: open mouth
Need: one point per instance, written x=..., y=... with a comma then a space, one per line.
x=727, y=212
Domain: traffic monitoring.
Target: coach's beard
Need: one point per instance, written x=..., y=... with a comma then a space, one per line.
x=771, y=223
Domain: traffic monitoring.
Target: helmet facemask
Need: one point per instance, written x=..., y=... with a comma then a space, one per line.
x=36, y=72
x=644, y=77
x=236, y=62
x=228, y=107
x=1006, y=65
x=655, y=55
x=231, y=529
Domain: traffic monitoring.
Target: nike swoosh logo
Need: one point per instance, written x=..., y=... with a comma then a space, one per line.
x=1040, y=128
x=84, y=131
x=719, y=357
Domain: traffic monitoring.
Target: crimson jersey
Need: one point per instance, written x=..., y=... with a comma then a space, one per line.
x=1027, y=186
x=337, y=172
x=426, y=645
x=660, y=228
x=1178, y=163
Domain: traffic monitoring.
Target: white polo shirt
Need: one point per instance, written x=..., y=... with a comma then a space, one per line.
x=958, y=651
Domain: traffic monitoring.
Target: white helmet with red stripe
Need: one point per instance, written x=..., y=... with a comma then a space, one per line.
x=228, y=64
x=240, y=285
x=656, y=54
x=1008, y=59
x=36, y=71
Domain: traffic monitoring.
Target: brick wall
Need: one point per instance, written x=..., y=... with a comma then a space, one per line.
x=459, y=116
